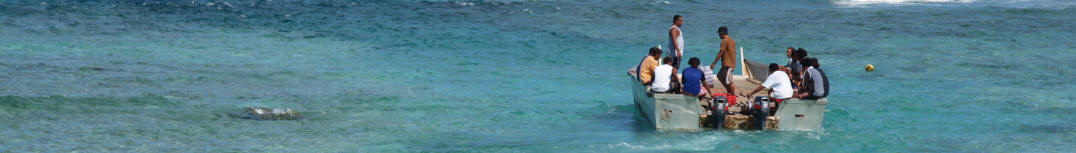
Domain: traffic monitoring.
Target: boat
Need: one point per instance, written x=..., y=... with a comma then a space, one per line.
x=687, y=113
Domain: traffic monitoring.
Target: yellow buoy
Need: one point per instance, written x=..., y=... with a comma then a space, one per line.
x=870, y=67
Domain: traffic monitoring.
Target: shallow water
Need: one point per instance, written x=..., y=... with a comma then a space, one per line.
x=518, y=76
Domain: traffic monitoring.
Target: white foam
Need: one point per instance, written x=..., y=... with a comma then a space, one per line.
x=855, y=3
x=1048, y=4
x=465, y=3
x=700, y=143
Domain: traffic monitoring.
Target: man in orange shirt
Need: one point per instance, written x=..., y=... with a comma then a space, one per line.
x=727, y=55
x=647, y=66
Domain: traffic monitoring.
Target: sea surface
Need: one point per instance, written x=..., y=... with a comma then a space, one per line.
x=519, y=76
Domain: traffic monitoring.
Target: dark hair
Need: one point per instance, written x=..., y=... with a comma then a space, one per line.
x=676, y=17
x=655, y=51
x=814, y=62
x=667, y=60
x=792, y=48
x=774, y=67
x=801, y=53
x=723, y=30
x=694, y=62
x=809, y=62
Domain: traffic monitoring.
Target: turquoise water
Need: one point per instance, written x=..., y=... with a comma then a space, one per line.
x=518, y=76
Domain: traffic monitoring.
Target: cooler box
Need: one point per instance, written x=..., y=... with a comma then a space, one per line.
x=731, y=98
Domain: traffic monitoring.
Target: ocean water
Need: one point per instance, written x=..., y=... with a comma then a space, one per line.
x=518, y=76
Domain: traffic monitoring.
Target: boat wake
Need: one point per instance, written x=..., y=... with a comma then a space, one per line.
x=698, y=143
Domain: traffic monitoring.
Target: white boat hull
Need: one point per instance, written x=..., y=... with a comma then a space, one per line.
x=667, y=111
x=801, y=114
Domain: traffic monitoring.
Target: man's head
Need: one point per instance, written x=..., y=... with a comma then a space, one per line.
x=678, y=20
x=801, y=54
x=694, y=62
x=808, y=62
x=774, y=67
x=814, y=62
x=722, y=32
x=794, y=55
x=667, y=60
x=790, y=52
x=655, y=51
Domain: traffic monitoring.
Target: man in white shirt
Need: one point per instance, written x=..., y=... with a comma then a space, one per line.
x=663, y=77
x=676, y=41
x=778, y=82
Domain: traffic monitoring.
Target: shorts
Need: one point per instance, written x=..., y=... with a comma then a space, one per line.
x=776, y=104
x=703, y=91
x=725, y=75
x=675, y=62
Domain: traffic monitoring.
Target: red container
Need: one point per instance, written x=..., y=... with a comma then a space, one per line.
x=731, y=98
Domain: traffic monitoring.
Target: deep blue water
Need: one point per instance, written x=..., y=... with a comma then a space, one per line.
x=518, y=76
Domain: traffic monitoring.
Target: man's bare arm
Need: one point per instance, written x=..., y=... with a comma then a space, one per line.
x=718, y=57
x=756, y=91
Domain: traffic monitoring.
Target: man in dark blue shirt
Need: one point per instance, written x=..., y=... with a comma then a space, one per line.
x=693, y=79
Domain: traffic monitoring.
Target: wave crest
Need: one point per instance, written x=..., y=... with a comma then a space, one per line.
x=896, y=2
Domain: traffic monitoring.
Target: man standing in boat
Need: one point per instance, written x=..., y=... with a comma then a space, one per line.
x=676, y=42
x=727, y=55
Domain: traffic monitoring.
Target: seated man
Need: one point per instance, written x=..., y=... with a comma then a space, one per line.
x=664, y=80
x=778, y=83
x=793, y=59
x=646, y=67
x=815, y=84
x=797, y=81
x=694, y=80
x=793, y=68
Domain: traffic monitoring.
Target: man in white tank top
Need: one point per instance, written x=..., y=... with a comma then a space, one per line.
x=676, y=41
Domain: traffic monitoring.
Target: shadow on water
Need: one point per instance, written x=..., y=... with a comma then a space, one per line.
x=627, y=118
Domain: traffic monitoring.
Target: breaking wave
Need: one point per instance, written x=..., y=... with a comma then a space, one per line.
x=896, y=2
x=1057, y=4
